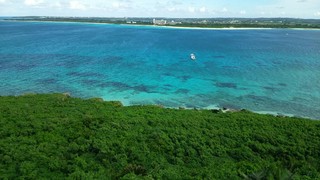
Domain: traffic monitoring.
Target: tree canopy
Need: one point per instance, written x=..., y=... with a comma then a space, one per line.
x=56, y=136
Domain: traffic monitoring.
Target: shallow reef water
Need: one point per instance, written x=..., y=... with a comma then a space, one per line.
x=269, y=70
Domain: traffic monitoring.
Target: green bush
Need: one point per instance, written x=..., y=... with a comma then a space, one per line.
x=57, y=136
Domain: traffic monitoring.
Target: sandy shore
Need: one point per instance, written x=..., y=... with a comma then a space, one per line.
x=194, y=28
x=208, y=28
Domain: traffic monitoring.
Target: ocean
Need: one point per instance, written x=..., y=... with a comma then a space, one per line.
x=262, y=70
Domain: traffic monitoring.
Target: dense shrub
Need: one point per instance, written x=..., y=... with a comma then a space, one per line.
x=57, y=136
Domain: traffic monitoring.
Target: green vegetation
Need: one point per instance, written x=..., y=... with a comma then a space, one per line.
x=249, y=25
x=55, y=136
x=190, y=22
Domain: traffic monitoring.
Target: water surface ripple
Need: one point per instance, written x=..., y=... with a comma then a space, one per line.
x=274, y=70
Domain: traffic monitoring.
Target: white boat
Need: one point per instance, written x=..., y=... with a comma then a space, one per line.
x=193, y=56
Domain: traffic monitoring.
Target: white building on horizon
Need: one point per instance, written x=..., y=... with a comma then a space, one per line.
x=159, y=22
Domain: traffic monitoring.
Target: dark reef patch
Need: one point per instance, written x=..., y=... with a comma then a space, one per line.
x=118, y=85
x=268, y=88
x=261, y=64
x=144, y=88
x=114, y=58
x=68, y=61
x=282, y=84
x=210, y=64
x=168, y=85
x=243, y=89
x=218, y=57
x=165, y=88
x=185, y=78
x=90, y=82
x=230, y=67
x=18, y=62
x=226, y=85
x=256, y=98
x=299, y=99
x=182, y=91
x=47, y=81
x=84, y=74
x=23, y=66
x=276, y=62
x=167, y=74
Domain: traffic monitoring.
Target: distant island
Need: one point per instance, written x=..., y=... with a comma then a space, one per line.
x=187, y=22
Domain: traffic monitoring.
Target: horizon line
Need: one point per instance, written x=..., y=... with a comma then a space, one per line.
x=161, y=17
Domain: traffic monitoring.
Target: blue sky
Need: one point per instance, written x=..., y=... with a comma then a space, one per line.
x=164, y=8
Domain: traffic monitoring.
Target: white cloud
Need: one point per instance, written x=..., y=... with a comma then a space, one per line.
x=292, y=8
x=203, y=9
x=224, y=10
x=76, y=5
x=116, y=5
x=192, y=9
x=243, y=12
x=121, y=4
x=56, y=5
x=33, y=2
x=172, y=9
x=165, y=8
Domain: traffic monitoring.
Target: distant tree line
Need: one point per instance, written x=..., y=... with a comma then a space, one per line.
x=205, y=23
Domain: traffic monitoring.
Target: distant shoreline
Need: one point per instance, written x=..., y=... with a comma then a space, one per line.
x=164, y=26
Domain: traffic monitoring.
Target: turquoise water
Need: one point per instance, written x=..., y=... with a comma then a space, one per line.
x=273, y=70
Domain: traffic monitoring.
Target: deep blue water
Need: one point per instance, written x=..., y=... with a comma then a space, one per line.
x=274, y=70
